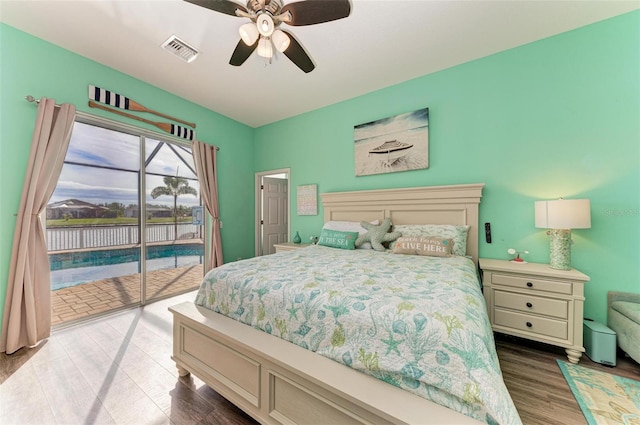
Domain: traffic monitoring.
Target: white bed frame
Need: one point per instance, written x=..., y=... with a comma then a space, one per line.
x=277, y=382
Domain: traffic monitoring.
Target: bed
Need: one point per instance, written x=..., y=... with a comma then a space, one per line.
x=268, y=369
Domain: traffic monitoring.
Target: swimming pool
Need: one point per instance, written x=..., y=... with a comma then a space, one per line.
x=74, y=268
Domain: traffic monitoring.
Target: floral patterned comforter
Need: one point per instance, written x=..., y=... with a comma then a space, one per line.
x=416, y=322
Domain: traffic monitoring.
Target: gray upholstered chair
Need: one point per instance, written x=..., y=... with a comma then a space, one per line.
x=623, y=316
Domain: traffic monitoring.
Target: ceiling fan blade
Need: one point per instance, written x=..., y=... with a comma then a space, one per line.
x=310, y=12
x=242, y=52
x=227, y=7
x=296, y=53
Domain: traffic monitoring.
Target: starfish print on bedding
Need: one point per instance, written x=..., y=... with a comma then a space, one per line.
x=392, y=344
x=293, y=312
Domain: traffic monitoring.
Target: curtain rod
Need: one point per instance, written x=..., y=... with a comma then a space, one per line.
x=32, y=99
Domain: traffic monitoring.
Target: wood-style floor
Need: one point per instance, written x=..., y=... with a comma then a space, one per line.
x=537, y=386
x=118, y=370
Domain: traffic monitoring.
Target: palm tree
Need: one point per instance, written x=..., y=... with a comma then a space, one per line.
x=174, y=186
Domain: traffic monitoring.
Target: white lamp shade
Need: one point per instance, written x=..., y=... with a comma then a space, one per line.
x=280, y=40
x=249, y=33
x=265, y=49
x=563, y=214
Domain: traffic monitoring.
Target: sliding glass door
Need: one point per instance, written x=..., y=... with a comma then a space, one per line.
x=120, y=226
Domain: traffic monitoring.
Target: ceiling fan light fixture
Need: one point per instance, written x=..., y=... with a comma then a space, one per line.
x=266, y=16
x=265, y=49
x=265, y=25
x=280, y=40
x=249, y=33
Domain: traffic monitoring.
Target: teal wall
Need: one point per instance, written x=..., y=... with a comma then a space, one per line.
x=31, y=66
x=558, y=117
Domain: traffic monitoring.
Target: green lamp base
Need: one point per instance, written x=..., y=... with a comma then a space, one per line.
x=560, y=249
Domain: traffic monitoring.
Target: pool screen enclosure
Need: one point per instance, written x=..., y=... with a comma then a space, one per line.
x=119, y=224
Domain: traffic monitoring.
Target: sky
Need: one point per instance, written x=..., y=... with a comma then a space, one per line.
x=108, y=148
x=390, y=125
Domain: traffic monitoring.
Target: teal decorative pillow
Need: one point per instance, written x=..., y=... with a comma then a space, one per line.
x=350, y=226
x=377, y=234
x=337, y=239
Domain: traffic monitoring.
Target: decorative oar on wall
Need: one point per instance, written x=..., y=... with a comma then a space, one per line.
x=176, y=130
x=123, y=102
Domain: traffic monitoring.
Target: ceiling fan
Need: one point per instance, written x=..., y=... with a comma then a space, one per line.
x=263, y=32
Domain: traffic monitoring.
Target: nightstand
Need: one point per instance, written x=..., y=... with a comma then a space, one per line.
x=536, y=302
x=289, y=246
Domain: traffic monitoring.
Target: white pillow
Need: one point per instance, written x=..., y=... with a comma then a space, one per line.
x=351, y=226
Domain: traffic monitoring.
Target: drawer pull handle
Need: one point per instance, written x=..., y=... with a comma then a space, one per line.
x=530, y=285
x=529, y=305
x=529, y=325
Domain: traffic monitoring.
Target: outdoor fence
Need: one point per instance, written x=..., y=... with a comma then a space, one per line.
x=73, y=238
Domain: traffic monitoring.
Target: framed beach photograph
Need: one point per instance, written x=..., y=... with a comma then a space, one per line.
x=388, y=145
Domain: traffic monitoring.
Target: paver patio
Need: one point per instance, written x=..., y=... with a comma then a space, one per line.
x=88, y=299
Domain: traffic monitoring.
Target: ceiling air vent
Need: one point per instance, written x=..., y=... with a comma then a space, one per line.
x=180, y=49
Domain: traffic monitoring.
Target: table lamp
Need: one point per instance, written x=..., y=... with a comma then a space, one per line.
x=560, y=216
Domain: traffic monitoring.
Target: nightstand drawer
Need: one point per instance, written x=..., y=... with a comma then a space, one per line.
x=532, y=324
x=532, y=283
x=532, y=304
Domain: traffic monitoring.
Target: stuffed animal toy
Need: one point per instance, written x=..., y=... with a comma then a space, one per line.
x=377, y=234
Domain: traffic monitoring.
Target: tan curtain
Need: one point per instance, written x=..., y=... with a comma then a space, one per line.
x=204, y=156
x=27, y=309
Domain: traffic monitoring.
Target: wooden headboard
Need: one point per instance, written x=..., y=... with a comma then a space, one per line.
x=455, y=204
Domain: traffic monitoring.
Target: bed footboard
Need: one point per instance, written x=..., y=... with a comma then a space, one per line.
x=277, y=382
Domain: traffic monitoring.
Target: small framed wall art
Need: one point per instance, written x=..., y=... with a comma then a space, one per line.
x=397, y=143
x=308, y=199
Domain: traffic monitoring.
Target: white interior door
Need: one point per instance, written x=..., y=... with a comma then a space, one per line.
x=274, y=213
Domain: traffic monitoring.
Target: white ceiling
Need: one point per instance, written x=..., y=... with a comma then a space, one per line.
x=383, y=42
